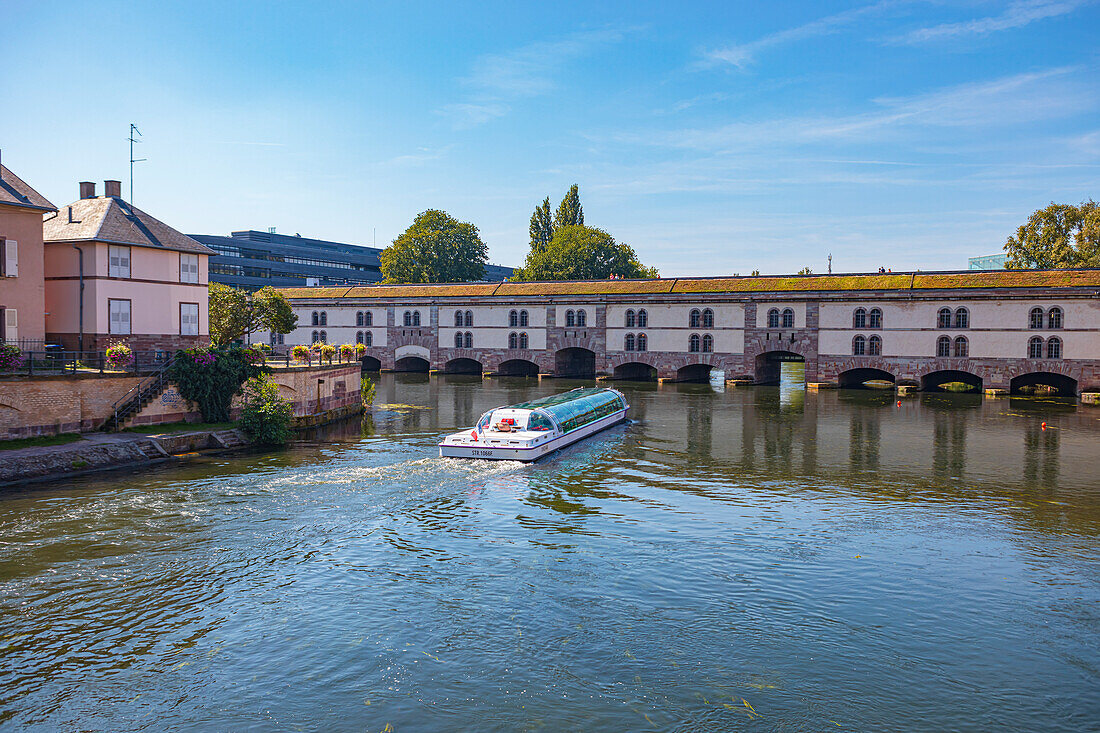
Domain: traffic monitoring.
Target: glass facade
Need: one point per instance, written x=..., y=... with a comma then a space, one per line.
x=577, y=408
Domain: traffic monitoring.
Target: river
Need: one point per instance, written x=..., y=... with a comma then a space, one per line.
x=731, y=559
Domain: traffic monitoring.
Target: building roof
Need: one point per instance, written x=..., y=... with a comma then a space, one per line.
x=15, y=192
x=967, y=279
x=110, y=219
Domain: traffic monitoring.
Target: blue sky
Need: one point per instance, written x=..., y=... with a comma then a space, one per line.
x=712, y=137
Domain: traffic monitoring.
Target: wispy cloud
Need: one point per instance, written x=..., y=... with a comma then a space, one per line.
x=420, y=157
x=248, y=142
x=1017, y=15
x=741, y=55
x=497, y=80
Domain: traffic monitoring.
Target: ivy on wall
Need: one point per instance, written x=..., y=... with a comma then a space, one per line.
x=210, y=377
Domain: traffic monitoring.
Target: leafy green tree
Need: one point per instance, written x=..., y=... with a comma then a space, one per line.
x=265, y=414
x=235, y=312
x=806, y=271
x=542, y=228
x=437, y=248
x=1061, y=235
x=569, y=211
x=583, y=253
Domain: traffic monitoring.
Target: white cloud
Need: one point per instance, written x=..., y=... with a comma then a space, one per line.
x=1018, y=15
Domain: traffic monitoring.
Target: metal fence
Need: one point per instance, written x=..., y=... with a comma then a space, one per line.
x=312, y=359
x=32, y=363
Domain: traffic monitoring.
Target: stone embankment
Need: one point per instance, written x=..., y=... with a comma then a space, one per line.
x=104, y=451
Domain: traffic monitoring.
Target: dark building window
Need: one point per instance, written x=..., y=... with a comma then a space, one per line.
x=469, y=318
x=368, y=319
x=1035, y=318
x=1054, y=348
x=1035, y=344
x=859, y=318
x=1054, y=319
x=788, y=318
x=943, y=319
x=962, y=318
x=315, y=319
x=324, y=337
x=874, y=346
x=708, y=318
x=943, y=346
x=628, y=342
x=416, y=318
x=358, y=337
x=694, y=343
x=324, y=318
x=962, y=346
x=859, y=346
x=523, y=319
x=773, y=318
x=695, y=318
x=641, y=342
x=631, y=319
x=315, y=338
x=469, y=340
x=570, y=318
x=458, y=318
x=513, y=340
x=874, y=318
x=643, y=318
x=368, y=338
x=513, y=319
x=708, y=343
x=582, y=318
x=523, y=340
x=458, y=339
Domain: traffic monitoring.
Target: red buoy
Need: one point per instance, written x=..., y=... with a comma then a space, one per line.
x=1044, y=426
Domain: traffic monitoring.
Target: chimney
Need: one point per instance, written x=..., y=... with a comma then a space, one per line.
x=112, y=189
x=87, y=190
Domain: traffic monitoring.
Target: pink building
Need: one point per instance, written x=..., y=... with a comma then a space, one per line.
x=22, y=292
x=114, y=273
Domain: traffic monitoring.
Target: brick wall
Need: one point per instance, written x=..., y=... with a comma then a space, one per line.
x=138, y=342
x=58, y=404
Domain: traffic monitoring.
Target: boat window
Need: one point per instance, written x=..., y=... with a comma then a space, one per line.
x=539, y=422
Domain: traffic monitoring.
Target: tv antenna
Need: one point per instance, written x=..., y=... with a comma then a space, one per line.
x=830, y=263
x=133, y=129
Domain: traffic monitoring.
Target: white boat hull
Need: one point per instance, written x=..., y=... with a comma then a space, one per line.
x=496, y=448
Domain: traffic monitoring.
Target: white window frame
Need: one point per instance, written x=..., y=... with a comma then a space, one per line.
x=111, y=320
x=189, y=268
x=114, y=252
x=189, y=326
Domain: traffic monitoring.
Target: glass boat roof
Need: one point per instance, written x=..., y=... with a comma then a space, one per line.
x=562, y=397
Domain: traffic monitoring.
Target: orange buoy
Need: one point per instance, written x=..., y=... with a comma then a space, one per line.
x=899, y=403
x=1044, y=426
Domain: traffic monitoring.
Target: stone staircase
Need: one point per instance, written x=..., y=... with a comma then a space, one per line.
x=228, y=438
x=137, y=398
x=151, y=449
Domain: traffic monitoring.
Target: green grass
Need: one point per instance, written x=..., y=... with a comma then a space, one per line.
x=180, y=427
x=40, y=441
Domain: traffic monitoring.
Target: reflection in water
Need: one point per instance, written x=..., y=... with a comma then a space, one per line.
x=721, y=549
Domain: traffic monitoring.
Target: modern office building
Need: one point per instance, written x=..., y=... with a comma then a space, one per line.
x=987, y=262
x=252, y=259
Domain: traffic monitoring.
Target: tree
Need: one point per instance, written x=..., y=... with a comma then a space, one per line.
x=806, y=271
x=542, y=229
x=1061, y=235
x=235, y=312
x=569, y=211
x=436, y=248
x=583, y=253
x=265, y=414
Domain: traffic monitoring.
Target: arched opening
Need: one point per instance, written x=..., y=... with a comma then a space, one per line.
x=462, y=366
x=950, y=380
x=694, y=373
x=575, y=362
x=370, y=364
x=866, y=378
x=411, y=364
x=1044, y=383
x=636, y=371
x=769, y=366
x=518, y=368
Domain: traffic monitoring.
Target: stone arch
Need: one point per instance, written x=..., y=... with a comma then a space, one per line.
x=371, y=364
x=636, y=371
x=411, y=364
x=1063, y=384
x=412, y=350
x=931, y=382
x=518, y=368
x=462, y=366
x=768, y=364
x=697, y=372
x=857, y=378
x=574, y=361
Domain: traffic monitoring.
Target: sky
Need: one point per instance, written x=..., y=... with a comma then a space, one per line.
x=712, y=137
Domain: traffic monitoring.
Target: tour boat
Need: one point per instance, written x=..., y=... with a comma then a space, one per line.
x=530, y=430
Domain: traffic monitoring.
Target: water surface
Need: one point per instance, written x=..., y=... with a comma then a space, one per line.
x=741, y=559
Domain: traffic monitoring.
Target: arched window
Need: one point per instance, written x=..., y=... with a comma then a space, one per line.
x=874, y=346
x=694, y=343
x=788, y=318
x=513, y=340
x=316, y=321
x=643, y=318
x=695, y=318
x=368, y=338
x=570, y=318
x=315, y=338
x=943, y=346
x=773, y=318
x=359, y=318
x=408, y=318
x=631, y=319
x=874, y=318
x=641, y=342
x=368, y=319
x=859, y=318
x=943, y=320
x=962, y=318
x=513, y=319
x=708, y=343
x=582, y=318
x=458, y=339
x=523, y=340
x=628, y=342
x=1054, y=318
x=416, y=318
x=859, y=346
x=324, y=337
x=962, y=346
x=1054, y=348
x=358, y=337
x=458, y=318
x=469, y=318
x=1035, y=318
x=324, y=318
x=1035, y=344
x=469, y=340
x=708, y=318
x=523, y=319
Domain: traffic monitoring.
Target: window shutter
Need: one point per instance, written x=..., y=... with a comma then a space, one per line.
x=11, y=323
x=11, y=258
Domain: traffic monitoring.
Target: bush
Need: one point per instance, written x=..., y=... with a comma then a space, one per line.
x=10, y=357
x=347, y=351
x=119, y=356
x=210, y=377
x=366, y=391
x=300, y=353
x=360, y=351
x=265, y=415
x=328, y=351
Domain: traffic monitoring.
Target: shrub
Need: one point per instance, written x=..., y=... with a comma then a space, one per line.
x=360, y=351
x=10, y=357
x=210, y=377
x=300, y=353
x=347, y=351
x=265, y=414
x=119, y=356
x=366, y=391
x=328, y=351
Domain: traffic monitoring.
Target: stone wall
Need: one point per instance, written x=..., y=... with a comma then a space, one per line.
x=171, y=342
